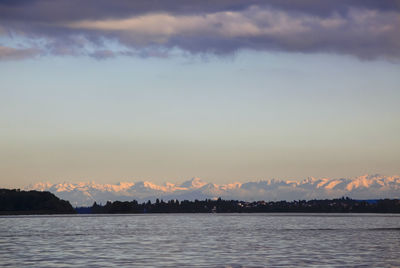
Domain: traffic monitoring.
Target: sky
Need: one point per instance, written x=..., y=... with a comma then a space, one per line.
x=112, y=91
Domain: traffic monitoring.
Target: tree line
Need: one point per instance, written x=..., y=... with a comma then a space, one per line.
x=341, y=205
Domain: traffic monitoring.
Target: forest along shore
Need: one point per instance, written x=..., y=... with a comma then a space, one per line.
x=342, y=205
x=17, y=202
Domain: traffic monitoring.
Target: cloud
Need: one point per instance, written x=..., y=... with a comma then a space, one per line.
x=9, y=53
x=103, y=54
x=362, y=28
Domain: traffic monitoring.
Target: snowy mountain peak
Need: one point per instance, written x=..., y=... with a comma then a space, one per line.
x=193, y=183
x=40, y=186
x=362, y=187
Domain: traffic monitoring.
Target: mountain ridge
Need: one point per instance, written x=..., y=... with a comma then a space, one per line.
x=362, y=187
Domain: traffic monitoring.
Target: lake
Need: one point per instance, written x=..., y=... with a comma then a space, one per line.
x=205, y=240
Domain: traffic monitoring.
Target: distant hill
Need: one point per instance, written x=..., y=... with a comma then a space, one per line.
x=363, y=187
x=18, y=202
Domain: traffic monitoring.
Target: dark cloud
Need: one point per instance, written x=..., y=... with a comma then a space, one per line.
x=49, y=10
x=367, y=29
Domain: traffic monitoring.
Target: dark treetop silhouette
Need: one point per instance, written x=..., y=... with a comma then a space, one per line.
x=32, y=202
x=342, y=205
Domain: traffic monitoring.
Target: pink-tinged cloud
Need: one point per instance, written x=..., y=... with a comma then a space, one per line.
x=10, y=53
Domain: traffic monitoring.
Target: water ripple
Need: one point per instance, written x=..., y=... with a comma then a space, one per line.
x=201, y=240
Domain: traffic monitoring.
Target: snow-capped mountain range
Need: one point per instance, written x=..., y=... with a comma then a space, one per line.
x=363, y=187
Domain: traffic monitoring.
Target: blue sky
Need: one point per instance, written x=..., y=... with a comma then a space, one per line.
x=171, y=113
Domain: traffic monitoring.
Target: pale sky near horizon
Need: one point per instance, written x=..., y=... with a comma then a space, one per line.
x=246, y=114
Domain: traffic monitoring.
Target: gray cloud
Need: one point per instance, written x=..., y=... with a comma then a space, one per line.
x=102, y=29
x=103, y=54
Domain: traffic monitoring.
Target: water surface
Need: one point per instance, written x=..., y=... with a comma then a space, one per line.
x=210, y=240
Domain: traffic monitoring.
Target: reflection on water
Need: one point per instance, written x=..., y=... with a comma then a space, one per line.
x=223, y=240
